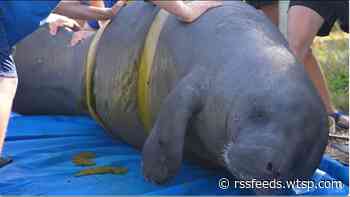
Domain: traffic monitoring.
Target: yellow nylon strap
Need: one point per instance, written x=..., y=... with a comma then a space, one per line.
x=89, y=70
x=145, y=67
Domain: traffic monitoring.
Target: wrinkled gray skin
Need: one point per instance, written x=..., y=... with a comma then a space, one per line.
x=247, y=101
x=224, y=89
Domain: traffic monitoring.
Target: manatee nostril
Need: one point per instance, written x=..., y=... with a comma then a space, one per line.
x=277, y=174
x=269, y=167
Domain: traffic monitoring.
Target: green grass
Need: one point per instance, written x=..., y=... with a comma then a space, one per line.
x=333, y=55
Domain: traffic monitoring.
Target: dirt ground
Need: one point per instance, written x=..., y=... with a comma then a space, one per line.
x=338, y=144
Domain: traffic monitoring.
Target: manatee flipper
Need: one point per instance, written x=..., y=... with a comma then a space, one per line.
x=163, y=149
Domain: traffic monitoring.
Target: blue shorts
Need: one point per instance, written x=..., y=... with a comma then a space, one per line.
x=7, y=65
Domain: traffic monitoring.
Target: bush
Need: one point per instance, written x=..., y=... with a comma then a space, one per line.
x=332, y=53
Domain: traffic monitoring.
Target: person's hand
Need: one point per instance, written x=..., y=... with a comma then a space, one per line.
x=187, y=11
x=80, y=36
x=116, y=7
x=113, y=11
x=197, y=8
x=64, y=22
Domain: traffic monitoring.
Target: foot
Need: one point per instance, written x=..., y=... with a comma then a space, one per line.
x=341, y=120
x=4, y=161
x=197, y=8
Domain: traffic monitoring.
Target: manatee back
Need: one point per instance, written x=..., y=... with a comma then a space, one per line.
x=116, y=73
x=223, y=39
x=50, y=73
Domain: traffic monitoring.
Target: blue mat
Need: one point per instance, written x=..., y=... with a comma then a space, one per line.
x=42, y=148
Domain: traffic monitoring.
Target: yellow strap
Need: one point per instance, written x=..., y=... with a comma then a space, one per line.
x=145, y=67
x=89, y=70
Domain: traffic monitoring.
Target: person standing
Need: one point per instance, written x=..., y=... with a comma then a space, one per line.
x=18, y=19
x=306, y=20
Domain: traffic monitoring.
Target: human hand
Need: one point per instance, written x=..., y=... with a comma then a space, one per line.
x=117, y=6
x=197, y=8
x=80, y=36
x=65, y=22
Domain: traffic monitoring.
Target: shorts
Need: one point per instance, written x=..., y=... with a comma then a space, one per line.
x=330, y=11
x=7, y=65
x=260, y=3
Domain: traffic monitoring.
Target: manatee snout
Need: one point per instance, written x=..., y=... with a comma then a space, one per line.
x=259, y=157
x=249, y=162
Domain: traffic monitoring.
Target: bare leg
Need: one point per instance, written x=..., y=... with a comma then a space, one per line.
x=187, y=12
x=316, y=75
x=271, y=11
x=8, y=88
x=303, y=25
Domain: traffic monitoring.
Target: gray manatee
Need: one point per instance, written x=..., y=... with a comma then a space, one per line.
x=225, y=90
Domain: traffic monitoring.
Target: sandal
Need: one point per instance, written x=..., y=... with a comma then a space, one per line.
x=336, y=117
x=4, y=161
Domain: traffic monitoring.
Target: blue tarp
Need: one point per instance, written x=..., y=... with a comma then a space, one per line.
x=42, y=148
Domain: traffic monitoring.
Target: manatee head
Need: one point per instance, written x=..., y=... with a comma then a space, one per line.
x=275, y=130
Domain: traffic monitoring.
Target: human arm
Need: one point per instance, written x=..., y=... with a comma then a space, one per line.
x=187, y=12
x=75, y=10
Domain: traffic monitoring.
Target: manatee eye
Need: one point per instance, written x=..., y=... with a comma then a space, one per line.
x=259, y=115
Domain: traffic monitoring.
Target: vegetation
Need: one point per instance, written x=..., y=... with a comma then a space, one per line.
x=332, y=53
x=84, y=159
x=102, y=170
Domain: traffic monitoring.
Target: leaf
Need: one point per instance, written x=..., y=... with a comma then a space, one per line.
x=84, y=159
x=102, y=170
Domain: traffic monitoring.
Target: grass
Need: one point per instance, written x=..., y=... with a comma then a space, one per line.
x=332, y=53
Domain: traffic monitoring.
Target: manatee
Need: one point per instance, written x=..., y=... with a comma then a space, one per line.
x=224, y=90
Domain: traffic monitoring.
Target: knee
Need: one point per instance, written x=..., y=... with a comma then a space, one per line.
x=300, y=49
x=15, y=82
x=14, y=85
x=8, y=86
